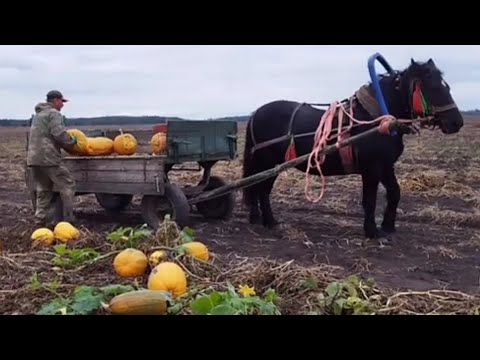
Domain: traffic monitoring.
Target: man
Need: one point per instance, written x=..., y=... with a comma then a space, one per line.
x=47, y=136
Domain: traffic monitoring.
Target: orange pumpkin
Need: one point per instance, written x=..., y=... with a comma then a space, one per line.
x=43, y=236
x=156, y=257
x=99, y=146
x=130, y=263
x=159, y=144
x=81, y=147
x=125, y=144
x=168, y=276
x=197, y=250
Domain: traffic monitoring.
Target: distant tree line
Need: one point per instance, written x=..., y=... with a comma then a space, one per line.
x=475, y=112
x=146, y=120
x=118, y=120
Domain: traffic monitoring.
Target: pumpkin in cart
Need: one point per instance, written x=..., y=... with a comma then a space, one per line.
x=159, y=143
x=99, y=146
x=80, y=147
x=125, y=144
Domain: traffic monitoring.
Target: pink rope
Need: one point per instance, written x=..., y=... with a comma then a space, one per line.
x=323, y=135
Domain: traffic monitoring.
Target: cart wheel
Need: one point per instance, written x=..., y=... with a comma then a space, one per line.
x=174, y=202
x=218, y=208
x=114, y=202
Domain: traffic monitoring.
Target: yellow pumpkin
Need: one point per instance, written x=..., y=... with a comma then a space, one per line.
x=44, y=236
x=65, y=232
x=125, y=144
x=156, y=257
x=159, y=144
x=169, y=277
x=99, y=146
x=81, y=147
x=130, y=263
x=140, y=302
x=197, y=250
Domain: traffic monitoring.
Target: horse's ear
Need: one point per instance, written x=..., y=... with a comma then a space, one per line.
x=430, y=62
x=412, y=62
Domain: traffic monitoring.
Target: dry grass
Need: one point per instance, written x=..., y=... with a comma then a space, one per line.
x=441, y=175
x=301, y=290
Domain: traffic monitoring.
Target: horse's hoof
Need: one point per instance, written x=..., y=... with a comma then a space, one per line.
x=271, y=225
x=384, y=237
x=372, y=234
x=388, y=228
x=384, y=241
x=255, y=220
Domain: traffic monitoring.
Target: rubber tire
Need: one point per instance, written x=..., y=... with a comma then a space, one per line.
x=220, y=208
x=114, y=202
x=179, y=207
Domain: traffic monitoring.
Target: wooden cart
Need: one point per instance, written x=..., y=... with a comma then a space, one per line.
x=116, y=179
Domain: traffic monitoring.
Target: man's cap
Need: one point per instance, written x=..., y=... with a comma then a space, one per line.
x=55, y=94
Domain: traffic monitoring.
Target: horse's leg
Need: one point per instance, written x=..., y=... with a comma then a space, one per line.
x=264, y=191
x=254, y=213
x=370, y=179
x=389, y=181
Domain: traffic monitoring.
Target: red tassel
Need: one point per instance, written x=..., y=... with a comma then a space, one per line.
x=291, y=152
x=418, y=100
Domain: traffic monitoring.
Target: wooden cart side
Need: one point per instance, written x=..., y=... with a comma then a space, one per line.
x=118, y=174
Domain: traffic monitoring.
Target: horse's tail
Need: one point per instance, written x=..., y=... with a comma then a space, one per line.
x=248, y=163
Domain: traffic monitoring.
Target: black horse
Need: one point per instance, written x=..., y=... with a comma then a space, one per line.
x=419, y=90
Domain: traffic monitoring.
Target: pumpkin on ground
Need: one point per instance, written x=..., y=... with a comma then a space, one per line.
x=125, y=144
x=140, y=302
x=156, y=257
x=169, y=277
x=81, y=147
x=130, y=263
x=66, y=232
x=159, y=143
x=197, y=250
x=44, y=236
x=99, y=146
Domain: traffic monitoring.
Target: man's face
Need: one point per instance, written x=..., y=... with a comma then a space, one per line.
x=58, y=104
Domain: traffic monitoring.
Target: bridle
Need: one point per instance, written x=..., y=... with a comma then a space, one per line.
x=421, y=108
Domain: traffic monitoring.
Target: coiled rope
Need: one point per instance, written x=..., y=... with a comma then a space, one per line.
x=323, y=135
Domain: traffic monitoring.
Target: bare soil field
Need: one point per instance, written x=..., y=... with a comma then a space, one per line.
x=430, y=266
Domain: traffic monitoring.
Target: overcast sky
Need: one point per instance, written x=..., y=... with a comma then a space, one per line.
x=200, y=81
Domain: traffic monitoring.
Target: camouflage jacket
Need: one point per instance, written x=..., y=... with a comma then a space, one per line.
x=47, y=136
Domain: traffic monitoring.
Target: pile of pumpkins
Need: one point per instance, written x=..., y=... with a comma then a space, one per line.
x=63, y=232
x=166, y=277
x=123, y=144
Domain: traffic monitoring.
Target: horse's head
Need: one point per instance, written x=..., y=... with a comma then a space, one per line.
x=428, y=94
